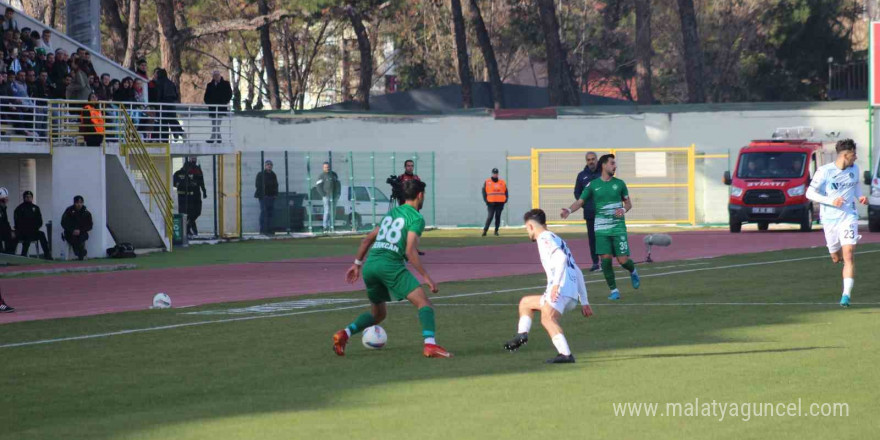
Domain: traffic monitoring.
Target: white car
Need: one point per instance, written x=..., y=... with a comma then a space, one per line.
x=358, y=207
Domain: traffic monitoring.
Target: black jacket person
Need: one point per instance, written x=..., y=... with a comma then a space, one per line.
x=28, y=221
x=266, y=190
x=190, y=184
x=76, y=223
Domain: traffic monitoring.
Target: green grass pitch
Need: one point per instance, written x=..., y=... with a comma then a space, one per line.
x=760, y=328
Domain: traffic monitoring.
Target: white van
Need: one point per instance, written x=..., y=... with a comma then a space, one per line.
x=357, y=207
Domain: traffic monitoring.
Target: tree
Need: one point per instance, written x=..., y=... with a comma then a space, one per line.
x=302, y=54
x=134, y=19
x=42, y=10
x=644, y=51
x=117, y=27
x=464, y=65
x=269, y=59
x=693, y=55
x=366, y=55
x=175, y=34
x=561, y=85
x=495, y=84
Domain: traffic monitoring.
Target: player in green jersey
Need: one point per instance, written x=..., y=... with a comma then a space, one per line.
x=390, y=245
x=612, y=203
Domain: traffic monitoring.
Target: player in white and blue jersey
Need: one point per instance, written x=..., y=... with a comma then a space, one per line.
x=837, y=188
x=565, y=289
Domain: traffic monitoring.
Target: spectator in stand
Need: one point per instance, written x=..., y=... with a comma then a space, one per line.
x=16, y=39
x=79, y=86
x=50, y=62
x=94, y=81
x=28, y=221
x=114, y=86
x=266, y=191
x=26, y=42
x=125, y=92
x=60, y=90
x=35, y=40
x=22, y=105
x=14, y=62
x=46, y=42
x=88, y=66
x=166, y=93
x=142, y=69
x=7, y=235
x=40, y=89
x=30, y=78
x=217, y=92
x=139, y=113
x=92, y=125
x=60, y=68
x=76, y=223
x=103, y=88
x=29, y=60
x=5, y=89
x=9, y=22
x=41, y=63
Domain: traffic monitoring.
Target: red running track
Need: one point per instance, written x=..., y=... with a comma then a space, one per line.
x=96, y=293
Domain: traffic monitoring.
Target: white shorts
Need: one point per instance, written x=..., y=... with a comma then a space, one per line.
x=568, y=294
x=562, y=304
x=842, y=233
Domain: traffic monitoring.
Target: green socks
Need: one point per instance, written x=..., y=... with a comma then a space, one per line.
x=629, y=265
x=426, y=318
x=608, y=271
x=362, y=322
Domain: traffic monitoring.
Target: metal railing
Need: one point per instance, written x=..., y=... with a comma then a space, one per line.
x=139, y=160
x=848, y=80
x=67, y=122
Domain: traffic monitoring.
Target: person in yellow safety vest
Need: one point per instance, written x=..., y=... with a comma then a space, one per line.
x=495, y=196
x=92, y=122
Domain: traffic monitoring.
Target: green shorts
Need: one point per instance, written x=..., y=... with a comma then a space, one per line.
x=386, y=280
x=612, y=245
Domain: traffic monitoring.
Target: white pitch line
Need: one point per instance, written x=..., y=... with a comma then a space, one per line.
x=675, y=304
x=170, y=327
x=249, y=318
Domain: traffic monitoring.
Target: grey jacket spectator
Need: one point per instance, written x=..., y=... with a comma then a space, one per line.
x=328, y=185
x=79, y=88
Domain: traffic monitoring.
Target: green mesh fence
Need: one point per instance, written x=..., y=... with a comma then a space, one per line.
x=304, y=204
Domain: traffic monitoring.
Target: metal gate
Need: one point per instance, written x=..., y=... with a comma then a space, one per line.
x=660, y=182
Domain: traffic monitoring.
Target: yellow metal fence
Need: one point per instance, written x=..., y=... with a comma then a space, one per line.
x=661, y=182
x=141, y=159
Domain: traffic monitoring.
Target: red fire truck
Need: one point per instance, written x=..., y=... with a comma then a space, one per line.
x=771, y=177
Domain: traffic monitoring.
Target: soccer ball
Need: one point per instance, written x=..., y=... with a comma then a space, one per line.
x=161, y=301
x=374, y=337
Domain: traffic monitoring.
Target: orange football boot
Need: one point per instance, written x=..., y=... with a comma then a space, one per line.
x=340, y=338
x=435, y=351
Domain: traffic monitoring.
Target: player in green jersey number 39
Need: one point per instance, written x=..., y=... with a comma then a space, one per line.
x=612, y=203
